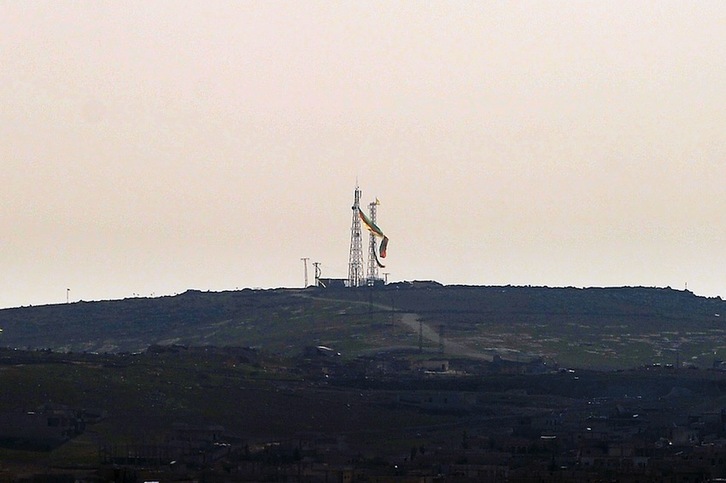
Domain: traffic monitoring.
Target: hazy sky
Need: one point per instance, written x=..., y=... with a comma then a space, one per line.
x=155, y=146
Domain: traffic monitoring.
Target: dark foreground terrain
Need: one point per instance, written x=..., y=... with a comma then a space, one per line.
x=526, y=384
x=179, y=413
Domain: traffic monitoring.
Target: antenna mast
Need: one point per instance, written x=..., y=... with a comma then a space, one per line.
x=372, y=243
x=305, y=262
x=355, y=259
x=317, y=273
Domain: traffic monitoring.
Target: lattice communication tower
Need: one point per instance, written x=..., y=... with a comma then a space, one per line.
x=355, y=259
x=372, y=246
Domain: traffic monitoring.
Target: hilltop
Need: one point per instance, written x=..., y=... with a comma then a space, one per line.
x=592, y=327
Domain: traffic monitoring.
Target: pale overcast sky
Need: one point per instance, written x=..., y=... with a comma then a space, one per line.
x=155, y=146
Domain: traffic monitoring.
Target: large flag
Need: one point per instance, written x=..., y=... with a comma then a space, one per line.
x=373, y=228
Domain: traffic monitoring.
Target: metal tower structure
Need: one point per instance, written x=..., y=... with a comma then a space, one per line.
x=305, y=261
x=355, y=259
x=316, y=265
x=372, y=275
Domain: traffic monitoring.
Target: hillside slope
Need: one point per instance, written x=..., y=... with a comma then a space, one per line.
x=594, y=327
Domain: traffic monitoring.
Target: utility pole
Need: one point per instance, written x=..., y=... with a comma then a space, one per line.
x=420, y=335
x=317, y=273
x=385, y=277
x=393, y=311
x=370, y=299
x=305, y=263
x=441, y=338
x=68, y=295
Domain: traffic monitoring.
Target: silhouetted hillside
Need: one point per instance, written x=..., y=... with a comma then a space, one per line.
x=595, y=327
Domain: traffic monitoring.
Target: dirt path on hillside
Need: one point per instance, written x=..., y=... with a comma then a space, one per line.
x=411, y=321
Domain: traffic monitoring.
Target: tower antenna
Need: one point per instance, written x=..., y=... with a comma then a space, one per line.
x=317, y=273
x=355, y=258
x=305, y=263
x=372, y=275
x=420, y=335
